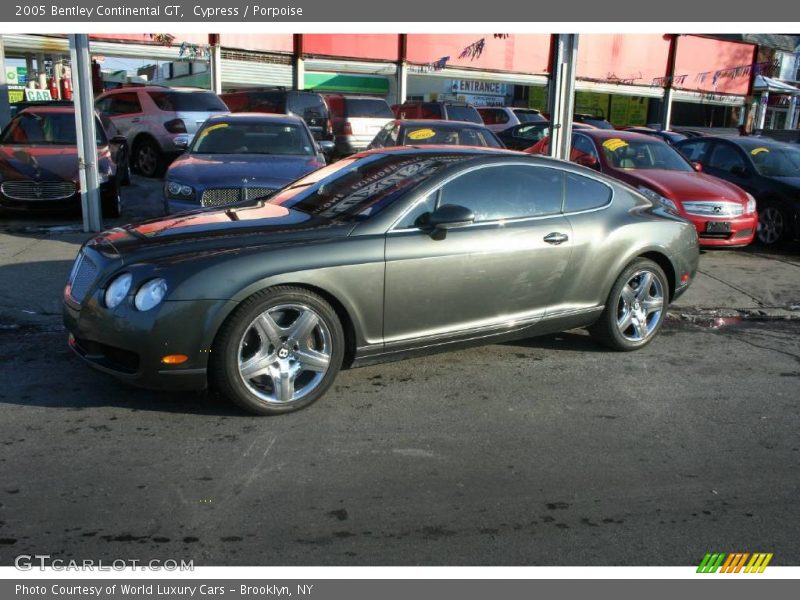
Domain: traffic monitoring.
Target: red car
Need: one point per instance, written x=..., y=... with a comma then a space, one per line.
x=723, y=213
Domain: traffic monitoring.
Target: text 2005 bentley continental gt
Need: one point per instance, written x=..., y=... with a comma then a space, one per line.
x=375, y=257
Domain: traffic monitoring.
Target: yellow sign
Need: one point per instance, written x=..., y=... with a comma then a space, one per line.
x=758, y=150
x=421, y=134
x=614, y=144
x=208, y=130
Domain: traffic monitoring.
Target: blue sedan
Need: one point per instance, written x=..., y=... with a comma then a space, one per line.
x=238, y=157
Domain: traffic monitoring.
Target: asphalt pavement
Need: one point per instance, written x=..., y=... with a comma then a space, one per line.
x=549, y=451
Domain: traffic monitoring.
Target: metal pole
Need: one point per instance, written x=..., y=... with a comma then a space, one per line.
x=85, y=123
x=401, y=80
x=5, y=106
x=299, y=67
x=562, y=93
x=215, y=63
x=669, y=76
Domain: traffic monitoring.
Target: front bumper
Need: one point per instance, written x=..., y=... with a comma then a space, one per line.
x=742, y=231
x=130, y=344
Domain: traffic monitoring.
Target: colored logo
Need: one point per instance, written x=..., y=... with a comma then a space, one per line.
x=735, y=562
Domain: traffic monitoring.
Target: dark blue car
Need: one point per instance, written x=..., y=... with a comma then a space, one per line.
x=236, y=157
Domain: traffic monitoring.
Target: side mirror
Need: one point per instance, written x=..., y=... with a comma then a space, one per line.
x=449, y=216
x=119, y=139
x=739, y=170
x=588, y=160
x=697, y=166
x=327, y=147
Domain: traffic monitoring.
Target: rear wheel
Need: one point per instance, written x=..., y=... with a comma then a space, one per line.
x=773, y=225
x=148, y=159
x=280, y=351
x=635, y=308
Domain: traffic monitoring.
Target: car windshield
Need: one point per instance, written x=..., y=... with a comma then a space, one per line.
x=46, y=128
x=356, y=189
x=252, y=138
x=529, y=116
x=776, y=161
x=188, y=101
x=449, y=135
x=456, y=112
x=628, y=154
x=368, y=108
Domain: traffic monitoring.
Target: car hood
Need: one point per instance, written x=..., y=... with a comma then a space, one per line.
x=231, y=170
x=236, y=228
x=686, y=185
x=43, y=162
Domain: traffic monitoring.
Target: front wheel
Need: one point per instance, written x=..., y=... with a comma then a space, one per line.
x=148, y=159
x=773, y=225
x=280, y=351
x=635, y=308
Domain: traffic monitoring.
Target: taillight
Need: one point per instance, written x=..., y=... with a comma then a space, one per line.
x=175, y=126
x=328, y=127
x=347, y=129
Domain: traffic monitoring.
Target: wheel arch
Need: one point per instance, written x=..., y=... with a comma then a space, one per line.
x=663, y=261
x=345, y=318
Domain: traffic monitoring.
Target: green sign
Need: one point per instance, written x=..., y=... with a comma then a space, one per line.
x=335, y=82
x=16, y=75
x=38, y=95
x=537, y=98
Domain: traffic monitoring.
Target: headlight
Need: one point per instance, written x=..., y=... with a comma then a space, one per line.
x=179, y=190
x=150, y=294
x=751, y=205
x=117, y=290
x=658, y=198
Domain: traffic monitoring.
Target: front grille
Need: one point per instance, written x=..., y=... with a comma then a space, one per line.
x=82, y=277
x=223, y=196
x=38, y=190
x=710, y=208
x=715, y=236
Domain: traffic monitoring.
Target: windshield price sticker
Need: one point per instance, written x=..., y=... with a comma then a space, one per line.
x=758, y=150
x=421, y=134
x=614, y=144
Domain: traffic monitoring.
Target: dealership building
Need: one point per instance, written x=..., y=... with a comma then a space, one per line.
x=620, y=77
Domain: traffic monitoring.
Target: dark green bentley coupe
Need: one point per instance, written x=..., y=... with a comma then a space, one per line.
x=378, y=256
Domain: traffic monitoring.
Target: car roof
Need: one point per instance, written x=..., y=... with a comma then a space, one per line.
x=750, y=141
x=256, y=117
x=438, y=149
x=48, y=109
x=439, y=122
x=157, y=88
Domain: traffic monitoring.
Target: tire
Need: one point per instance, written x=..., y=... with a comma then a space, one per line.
x=292, y=343
x=773, y=225
x=632, y=318
x=148, y=158
x=126, y=172
x=112, y=207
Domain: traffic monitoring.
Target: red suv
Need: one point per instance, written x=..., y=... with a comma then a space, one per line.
x=723, y=213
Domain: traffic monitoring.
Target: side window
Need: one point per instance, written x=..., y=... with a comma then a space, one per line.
x=583, y=193
x=582, y=146
x=506, y=192
x=431, y=110
x=124, y=104
x=694, y=151
x=382, y=139
x=104, y=105
x=487, y=115
x=500, y=117
x=725, y=157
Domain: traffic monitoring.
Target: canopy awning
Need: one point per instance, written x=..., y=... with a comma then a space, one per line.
x=767, y=84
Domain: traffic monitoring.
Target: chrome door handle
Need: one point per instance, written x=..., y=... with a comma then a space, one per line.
x=556, y=238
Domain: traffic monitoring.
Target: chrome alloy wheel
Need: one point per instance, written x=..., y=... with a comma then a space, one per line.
x=770, y=225
x=147, y=159
x=285, y=353
x=640, y=305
